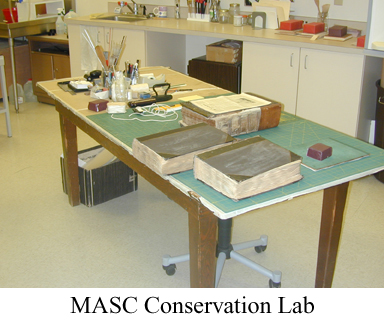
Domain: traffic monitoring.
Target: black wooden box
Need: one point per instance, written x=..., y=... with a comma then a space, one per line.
x=104, y=183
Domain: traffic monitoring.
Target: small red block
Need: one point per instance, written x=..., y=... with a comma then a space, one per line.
x=292, y=24
x=314, y=28
x=361, y=41
x=98, y=105
x=319, y=151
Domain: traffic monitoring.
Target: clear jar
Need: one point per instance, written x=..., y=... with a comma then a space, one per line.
x=214, y=11
x=323, y=17
x=119, y=87
x=234, y=10
x=223, y=16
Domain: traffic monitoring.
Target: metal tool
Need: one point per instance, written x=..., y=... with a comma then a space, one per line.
x=165, y=96
x=64, y=87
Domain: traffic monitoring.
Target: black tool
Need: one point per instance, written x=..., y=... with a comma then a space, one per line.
x=92, y=75
x=165, y=96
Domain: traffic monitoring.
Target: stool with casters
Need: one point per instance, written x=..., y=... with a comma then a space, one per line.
x=225, y=250
x=5, y=109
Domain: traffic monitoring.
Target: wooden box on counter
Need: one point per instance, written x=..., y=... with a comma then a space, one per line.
x=235, y=122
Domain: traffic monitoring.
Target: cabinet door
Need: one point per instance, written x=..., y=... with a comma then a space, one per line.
x=133, y=48
x=41, y=69
x=329, y=89
x=79, y=48
x=271, y=71
x=61, y=66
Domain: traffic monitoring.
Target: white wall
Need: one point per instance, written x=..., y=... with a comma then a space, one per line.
x=87, y=7
x=354, y=10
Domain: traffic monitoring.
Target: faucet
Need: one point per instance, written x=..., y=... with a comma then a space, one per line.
x=135, y=9
x=121, y=4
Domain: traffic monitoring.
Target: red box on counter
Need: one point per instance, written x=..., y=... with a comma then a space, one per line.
x=292, y=24
x=98, y=105
x=361, y=41
x=314, y=28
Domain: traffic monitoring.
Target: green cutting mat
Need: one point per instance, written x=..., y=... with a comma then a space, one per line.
x=292, y=131
x=341, y=153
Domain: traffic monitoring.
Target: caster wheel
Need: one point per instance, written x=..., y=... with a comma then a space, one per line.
x=274, y=284
x=170, y=269
x=260, y=248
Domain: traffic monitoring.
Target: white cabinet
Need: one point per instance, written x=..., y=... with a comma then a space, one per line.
x=271, y=71
x=134, y=48
x=329, y=89
x=333, y=89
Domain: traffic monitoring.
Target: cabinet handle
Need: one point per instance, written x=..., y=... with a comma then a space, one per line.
x=107, y=38
x=305, y=62
x=291, y=61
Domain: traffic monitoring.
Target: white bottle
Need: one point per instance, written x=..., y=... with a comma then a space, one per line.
x=60, y=26
x=70, y=14
x=20, y=94
x=28, y=92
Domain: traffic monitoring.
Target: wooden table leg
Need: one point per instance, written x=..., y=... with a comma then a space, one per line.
x=334, y=199
x=71, y=169
x=202, y=246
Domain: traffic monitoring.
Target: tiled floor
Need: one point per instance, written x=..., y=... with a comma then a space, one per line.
x=46, y=243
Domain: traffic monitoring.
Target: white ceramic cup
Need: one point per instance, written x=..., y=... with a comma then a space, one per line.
x=160, y=12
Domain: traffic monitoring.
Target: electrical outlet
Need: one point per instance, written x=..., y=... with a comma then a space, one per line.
x=338, y=2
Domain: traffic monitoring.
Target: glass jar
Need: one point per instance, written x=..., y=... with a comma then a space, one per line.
x=323, y=17
x=119, y=87
x=234, y=10
x=223, y=16
x=214, y=11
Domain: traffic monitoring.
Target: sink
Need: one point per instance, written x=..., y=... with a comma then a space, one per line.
x=119, y=17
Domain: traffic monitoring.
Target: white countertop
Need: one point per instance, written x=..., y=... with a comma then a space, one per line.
x=244, y=33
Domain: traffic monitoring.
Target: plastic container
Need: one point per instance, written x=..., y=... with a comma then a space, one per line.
x=20, y=94
x=28, y=92
x=7, y=15
x=70, y=14
x=60, y=26
x=119, y=87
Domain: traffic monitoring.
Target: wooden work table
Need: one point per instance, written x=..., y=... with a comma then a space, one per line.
x=203, y=204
